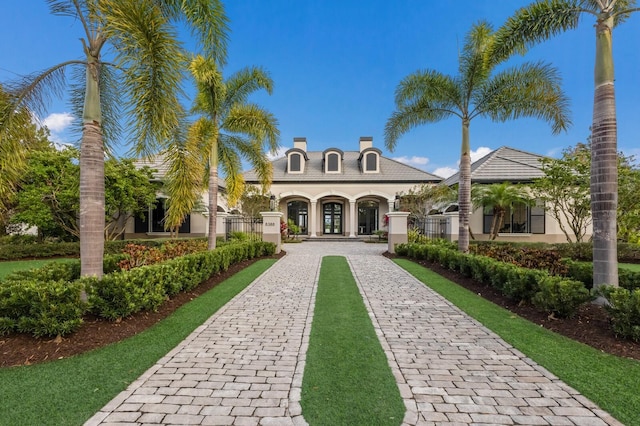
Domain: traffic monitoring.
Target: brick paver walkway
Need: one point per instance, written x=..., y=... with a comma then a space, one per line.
x=244, y=365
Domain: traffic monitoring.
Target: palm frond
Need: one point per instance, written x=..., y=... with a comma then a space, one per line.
x=534, y=23
x=258, y=123
x=531, y=90
x=63, y=8
x=212, y=90
x=231, y=165
x=473, y=67
x=207, y=21
x=245, y=82
x=148, y=51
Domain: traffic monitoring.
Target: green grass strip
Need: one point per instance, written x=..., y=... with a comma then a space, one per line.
x=635, y=267
x=609, y=381
x=20, y=265
x=347, y=380
x=70, y=391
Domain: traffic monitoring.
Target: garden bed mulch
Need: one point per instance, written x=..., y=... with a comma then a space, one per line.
x=22, y=349
x=590, y=326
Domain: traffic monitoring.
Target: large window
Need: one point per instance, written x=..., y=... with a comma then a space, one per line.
x=297, y=211
x=520, y=219
x=367, y=217
x=153, y=220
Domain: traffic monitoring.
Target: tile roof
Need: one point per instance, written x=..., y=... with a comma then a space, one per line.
x=505, y=164
x=158, y=162
x=390, y=171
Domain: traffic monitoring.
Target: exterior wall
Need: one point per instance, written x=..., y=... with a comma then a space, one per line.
x=553, y=233
x=347, y=194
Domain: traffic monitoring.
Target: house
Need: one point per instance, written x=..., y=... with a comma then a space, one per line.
x=522, y=223
x=151, y=225
x=336, y=192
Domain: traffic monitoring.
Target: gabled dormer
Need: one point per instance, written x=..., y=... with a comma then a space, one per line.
x=297, y=156
x=332, y=160
x=369, y=160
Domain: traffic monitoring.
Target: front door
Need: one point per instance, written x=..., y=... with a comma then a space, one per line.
x=367, y=217
x=332, y=218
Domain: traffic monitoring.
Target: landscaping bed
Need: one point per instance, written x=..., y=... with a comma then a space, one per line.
x=23, y=349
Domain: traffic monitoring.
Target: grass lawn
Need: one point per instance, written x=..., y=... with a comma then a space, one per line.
x=20, y=265
x=70, y=391
x=635, y=267
x=347, y=380
x=609, y=381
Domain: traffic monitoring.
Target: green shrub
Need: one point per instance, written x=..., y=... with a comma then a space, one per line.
x=561, y=297
x=522, y=284
x=624, y=308
x=41, y=308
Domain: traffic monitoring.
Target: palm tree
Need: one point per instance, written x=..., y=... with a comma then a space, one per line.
x=429, y=96
x=229, y=130
x=542, y=20
x=143, y=77
x=500, y=197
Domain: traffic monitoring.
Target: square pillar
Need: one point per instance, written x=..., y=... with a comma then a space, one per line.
x=397, y=230
x=271, y=228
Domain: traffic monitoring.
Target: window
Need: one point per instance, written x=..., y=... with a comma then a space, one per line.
x=153, y=220
x=332, y=162
x=297, y=211
x=371, y=162
x=294, y=163
x=520, y=219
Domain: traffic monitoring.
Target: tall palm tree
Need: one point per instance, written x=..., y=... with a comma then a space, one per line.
x=429, y=96
x=143, y=77
x=500, y=197
x=542, y=20
x=230, y=129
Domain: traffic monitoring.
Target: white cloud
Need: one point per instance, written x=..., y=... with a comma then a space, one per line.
x=444, y=172
x=58, y=122
x=278, y=154
x=414, y=161
x=479, y=153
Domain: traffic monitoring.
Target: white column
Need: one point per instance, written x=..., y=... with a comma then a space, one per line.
x=352, y=218
x=312, y=218
x=271, y=228
x=391, y=204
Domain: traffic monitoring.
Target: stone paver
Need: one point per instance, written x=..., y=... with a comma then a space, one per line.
x=244, y=365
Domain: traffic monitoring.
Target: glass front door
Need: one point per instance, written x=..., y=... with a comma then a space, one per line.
x=297, y=211
x=367, y=217
x=332, y=218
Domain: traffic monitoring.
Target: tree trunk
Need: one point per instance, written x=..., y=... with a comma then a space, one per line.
x=213, y=192
x=464, y=192
x=92, y=205
x=604, y=162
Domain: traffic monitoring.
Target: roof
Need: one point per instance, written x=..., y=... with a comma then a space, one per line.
x=504, y=164
x=391, y=171
x=158, y=163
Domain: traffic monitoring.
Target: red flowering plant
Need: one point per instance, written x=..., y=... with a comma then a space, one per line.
x=284, y=230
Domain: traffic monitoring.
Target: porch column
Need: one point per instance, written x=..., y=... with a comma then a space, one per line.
x=271, y=228
x=352, y=218
x=397, y=230
x=312, y=218
x=391, y=203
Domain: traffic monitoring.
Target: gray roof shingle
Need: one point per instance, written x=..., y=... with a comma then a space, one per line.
x=504, y=164
x=390, y=171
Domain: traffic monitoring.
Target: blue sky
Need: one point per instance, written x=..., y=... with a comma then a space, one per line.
x=336, y=64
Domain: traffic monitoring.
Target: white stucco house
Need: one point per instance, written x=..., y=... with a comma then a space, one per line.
x=339, y=193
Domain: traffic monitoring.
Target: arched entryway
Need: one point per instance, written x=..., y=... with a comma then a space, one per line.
x=332, y=214
x=368, y=217
x=298, y=212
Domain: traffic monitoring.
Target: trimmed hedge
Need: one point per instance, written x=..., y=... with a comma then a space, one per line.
x=518, y=283
x=55, y=289
x=624, y=308
x=583, y=271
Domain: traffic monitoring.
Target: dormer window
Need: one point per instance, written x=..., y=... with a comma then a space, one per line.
x=370, y=160
x=294, y=162
x=296, y=159
x=333, y=161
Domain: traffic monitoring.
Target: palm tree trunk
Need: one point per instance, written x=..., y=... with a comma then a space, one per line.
x=604, y=162
x=92, y=219
x=213, y=192
x=464, y=193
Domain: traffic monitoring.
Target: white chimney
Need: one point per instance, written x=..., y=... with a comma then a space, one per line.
x=366, y=142
x=300, y=143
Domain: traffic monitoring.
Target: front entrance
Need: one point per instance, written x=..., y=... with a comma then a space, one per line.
x=332, y=218
x=367, y=217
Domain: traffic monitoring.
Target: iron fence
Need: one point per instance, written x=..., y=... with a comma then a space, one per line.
x=434, y=227
x=250, y=226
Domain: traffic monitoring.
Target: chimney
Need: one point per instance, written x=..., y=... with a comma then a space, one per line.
x=300, y=143
x=366, y=142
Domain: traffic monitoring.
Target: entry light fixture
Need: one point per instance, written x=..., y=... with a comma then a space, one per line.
x=396, y=203
x=272, y=203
